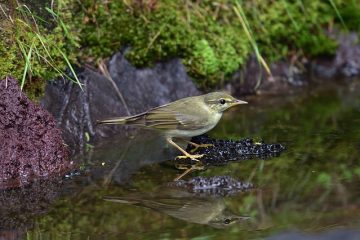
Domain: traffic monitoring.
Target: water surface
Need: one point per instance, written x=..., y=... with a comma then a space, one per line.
x=312, y=187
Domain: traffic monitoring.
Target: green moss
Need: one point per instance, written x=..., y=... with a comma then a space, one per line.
x=30, y=52
x=350, y=12
x=210, y=50
x=8, y=59
x=207, y=35
x=286, y=26
x=205, y=62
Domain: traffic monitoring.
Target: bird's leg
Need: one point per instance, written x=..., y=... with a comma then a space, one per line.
x=193, y=167
x=183, y=174
x=186, y=154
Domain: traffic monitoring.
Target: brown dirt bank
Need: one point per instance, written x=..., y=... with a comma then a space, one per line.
x=31, y=145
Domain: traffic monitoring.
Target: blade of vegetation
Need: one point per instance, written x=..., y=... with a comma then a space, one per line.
x=27, y=57
x=42, y=41
x=240, y=13
x=288, y=12
x=63, y=26
x=43, y=58
x=20, y=8
x=71, y=69
x=42, y=52
x=338, y=13
x=154, y=39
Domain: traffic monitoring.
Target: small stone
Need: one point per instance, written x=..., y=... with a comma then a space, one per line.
x=224, y=151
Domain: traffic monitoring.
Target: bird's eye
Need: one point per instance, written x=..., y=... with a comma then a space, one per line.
x=222, y=101
x=227, y=221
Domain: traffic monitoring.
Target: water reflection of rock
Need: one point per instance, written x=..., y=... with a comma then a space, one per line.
x=20, y=206
x=219, y=186
x=185, y=201
x=117, y=159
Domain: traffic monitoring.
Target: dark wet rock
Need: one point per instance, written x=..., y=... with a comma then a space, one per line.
x=224, y=151
x=295, y=72
x=20, y=206
x=345, y=63
x=253, y=78
x=31, y=145
x=214, y=186
x=140, y=89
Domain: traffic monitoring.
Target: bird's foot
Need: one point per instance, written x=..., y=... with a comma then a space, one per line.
x=188, y=169
x=197, y=146
x=191, y=156
x=184, y=166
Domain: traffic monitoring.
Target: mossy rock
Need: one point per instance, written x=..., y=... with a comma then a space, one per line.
x=32, y=53
x=208, y=35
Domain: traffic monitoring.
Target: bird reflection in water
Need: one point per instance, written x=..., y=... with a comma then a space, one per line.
x=186, y=201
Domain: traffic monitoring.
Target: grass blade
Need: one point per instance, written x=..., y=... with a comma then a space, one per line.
x=63, y=26
x=241, y=15
x=338, y=13
x=27, y=63
x=71, y=69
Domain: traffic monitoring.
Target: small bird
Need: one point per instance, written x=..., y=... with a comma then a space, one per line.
x=184, y=118
x=207, y=210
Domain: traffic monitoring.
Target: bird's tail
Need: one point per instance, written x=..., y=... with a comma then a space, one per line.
x=134, y=120
x=124, y=200
x=119, y=120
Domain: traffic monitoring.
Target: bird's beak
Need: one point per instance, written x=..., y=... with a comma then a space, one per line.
x=238, y=102
x=239, y=218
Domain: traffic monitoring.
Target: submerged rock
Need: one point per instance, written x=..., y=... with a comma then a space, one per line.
x=31, y=145
x=214, y=186
x=126, y=90
x=224, y=151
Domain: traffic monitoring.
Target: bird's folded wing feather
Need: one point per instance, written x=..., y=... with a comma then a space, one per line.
x=167, y=118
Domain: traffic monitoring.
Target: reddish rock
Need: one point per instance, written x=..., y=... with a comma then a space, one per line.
x=30, y=143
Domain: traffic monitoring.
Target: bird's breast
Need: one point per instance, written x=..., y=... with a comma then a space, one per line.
x=209, y=124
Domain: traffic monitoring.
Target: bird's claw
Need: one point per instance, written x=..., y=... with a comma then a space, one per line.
x=196, y=166
x=197, y=146
x=188, y=169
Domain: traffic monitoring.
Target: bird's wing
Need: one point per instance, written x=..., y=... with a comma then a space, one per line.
x=166, y=117
x=194, y=209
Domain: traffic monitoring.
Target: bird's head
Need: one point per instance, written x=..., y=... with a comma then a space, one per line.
x=220, y=101
x=225, y=219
